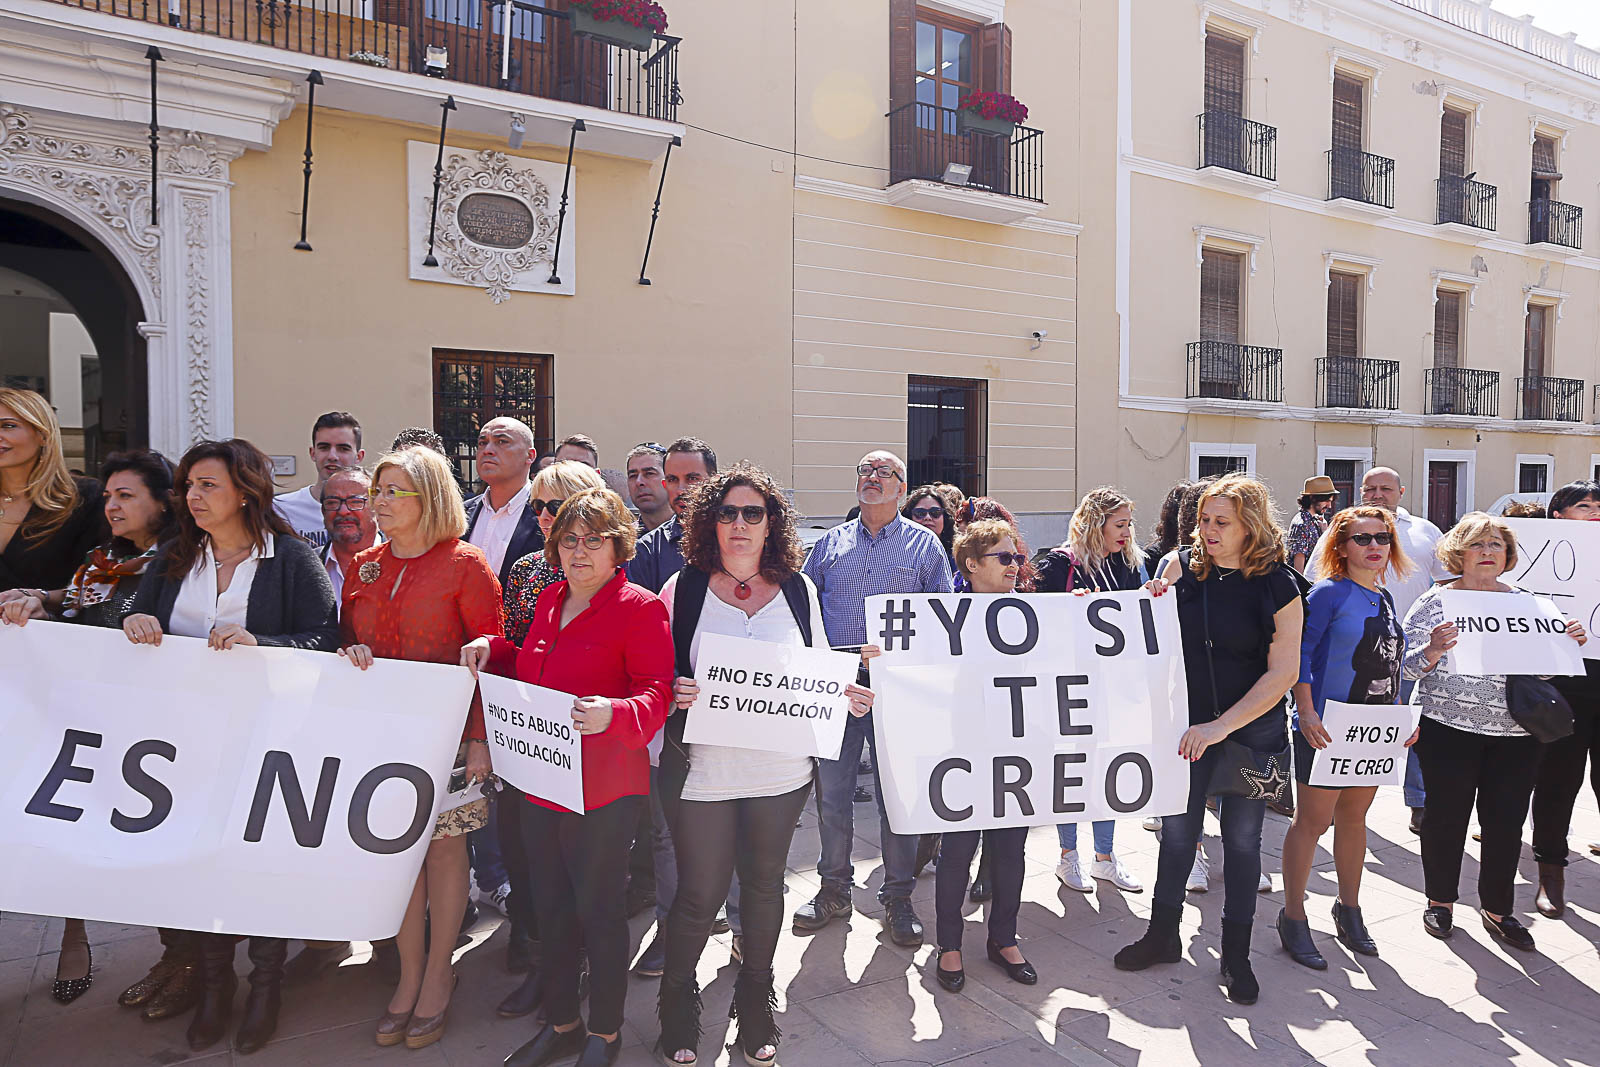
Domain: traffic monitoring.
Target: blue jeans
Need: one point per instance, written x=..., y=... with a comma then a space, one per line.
x=1416, y=796
x=1104, y=829
x=666, y=864
x=1241, y=821
x=488, y=867
x=836, y=791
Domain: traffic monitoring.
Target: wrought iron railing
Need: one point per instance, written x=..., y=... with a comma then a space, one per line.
x=1358, y=382
x=1235, y=372
x=1361, y=176
x=1467, y=202
x=1552, y=399
x=1234, y=142
x=1461, y=391
x=1552, y=222
x=537, y=53
x=933, y=143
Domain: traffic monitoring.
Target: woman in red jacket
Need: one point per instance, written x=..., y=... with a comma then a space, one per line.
x=608, y=643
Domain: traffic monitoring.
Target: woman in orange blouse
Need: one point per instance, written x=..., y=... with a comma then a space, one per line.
x=421, y=595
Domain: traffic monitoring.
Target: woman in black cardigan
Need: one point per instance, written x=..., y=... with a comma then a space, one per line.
x=234, y=575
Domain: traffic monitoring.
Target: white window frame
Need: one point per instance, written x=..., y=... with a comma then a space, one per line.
x=1232, y=241
x=1466, y=482
x=1594, y=466
x=1362, y=456
x=1349, y=263
x=1535, y=459
x=1231, y=451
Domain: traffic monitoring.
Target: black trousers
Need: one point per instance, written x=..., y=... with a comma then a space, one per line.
x=642, y=858
x=1498, y=774
x=1561, y=780
x=579, y=896
x=509, y=805
x=752, y=835
x=1002, y=849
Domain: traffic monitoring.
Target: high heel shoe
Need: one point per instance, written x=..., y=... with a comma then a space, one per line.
x=1018, y=972
x=951, y=980
x=66, y=990
x=425, y=1031
x=392, y=1028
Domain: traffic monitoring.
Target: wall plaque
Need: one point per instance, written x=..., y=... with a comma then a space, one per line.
x=495, y=220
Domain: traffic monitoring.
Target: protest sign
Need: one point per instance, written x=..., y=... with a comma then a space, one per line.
x=1560, y=559
x=533, y=742
x=218, y=791
x=777, y=698
x=1367, y=746
x=1508, y=633
x=999, y=710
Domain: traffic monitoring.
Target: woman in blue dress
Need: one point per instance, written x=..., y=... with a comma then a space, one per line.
x=1351, y=652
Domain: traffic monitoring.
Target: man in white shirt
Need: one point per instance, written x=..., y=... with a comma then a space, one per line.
x=351, y=525
x=335, y=444
x=499, y=521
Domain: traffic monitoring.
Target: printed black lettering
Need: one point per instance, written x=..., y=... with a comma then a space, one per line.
x=936, y=788
x=952, y=627
x=1016, y=685
x=1066, y=704
x=308, y=827
x=140, y=780
x=359, y=822
x=1030, y=635
x=1017, y=789
x=1147, y=615
x=63, y=770
x=1062, y=782
x=1147, y=782
x=1111, y=630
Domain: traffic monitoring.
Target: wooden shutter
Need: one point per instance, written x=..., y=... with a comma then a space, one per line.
x=1453, y=143
x=902, y=52
x=1219, y=295
x=1447, y=329
x=1224, y=73
x=1544, y=159
x=994, y=58
x=1344, y=315
x=1533, y=342
x=1348, y=102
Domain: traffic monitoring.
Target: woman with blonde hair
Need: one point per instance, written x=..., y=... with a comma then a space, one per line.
x=49, y=520
x=1240, y=615
x=1099, y=555
x=420, y=595
x=533, y=573
x=1351, y=652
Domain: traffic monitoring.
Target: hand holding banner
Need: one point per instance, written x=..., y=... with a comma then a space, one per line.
x=772, y=697
x=533, y=743
x=1560, y=559
x=1508, y=633
x=1368, y=745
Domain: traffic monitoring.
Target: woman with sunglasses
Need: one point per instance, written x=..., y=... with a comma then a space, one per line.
x=1351, y=651
x=535, y=572
x=926, y=506
x=990, y=556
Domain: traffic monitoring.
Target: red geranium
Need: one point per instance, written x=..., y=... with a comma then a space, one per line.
x=633, y=12
x=1002, y=106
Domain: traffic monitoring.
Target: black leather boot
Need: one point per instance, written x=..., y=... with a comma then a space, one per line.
x=1296, y=937
x=1236, y=973
x=217, y=985
x=754, y=1004
x=266, y=985
x=1159, y=944
x=1352, y=930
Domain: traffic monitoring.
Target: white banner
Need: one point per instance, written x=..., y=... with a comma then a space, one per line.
x=533, y=742
x=1000, y=710
x=777, y=698
x=1508, y=633
x=263, y=791
x=1560, y=559
x=1368, y=745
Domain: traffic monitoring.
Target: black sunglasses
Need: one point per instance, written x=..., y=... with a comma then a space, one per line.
x=548, y=506
x=1007, y=559
x=1366, y=539
x=753, y=514
x=927, y=513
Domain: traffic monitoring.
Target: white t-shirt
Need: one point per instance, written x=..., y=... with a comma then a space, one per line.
x=199, y=609
x=303, y=512
x=720, y=773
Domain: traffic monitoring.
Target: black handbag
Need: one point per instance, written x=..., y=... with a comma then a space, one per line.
x=1241, y=771
x=1538, y=707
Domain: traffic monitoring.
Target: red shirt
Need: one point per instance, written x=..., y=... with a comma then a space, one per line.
x=449, y=597
x=620, y=646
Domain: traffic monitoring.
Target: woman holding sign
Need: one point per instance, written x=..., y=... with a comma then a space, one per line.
x=733, y=808
x=1351, y=653
x=1240, y=614
x=1471, y=748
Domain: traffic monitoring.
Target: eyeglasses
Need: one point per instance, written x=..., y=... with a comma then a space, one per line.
x=389, y=492
x=330, y=504
x=927, y=513
x=658, y=449
x=1366, y=539
x=1487, y=546
x=753, y=514
x=1007, y=559
x=878, y=470
x=590, y=541
x=550, y=507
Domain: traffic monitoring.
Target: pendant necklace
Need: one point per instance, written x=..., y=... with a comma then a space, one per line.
x=741, y=588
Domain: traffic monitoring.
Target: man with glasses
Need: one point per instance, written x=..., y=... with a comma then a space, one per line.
x=880, y=551
x=646, y=488
x=350, y=523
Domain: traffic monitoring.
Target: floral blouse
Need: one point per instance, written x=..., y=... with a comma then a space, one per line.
x=530, y=576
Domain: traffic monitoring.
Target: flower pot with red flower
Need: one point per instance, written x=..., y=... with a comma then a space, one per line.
x=624, y=23
x=990, y=114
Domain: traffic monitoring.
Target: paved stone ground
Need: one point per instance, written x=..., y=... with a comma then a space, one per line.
x=850, y=997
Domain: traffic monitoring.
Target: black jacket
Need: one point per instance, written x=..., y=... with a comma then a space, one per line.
x=527, y=538
x=51, y=563
x=291, y=600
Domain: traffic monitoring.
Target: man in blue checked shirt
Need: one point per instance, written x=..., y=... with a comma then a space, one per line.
x=879, y=552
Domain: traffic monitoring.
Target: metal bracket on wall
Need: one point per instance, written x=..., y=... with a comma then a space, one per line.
x=445, y=108
x=655, y=212
x=561, y=218
x=153, y=54
x=313, y=80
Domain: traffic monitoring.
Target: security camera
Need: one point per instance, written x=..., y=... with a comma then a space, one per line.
x=1040, y=335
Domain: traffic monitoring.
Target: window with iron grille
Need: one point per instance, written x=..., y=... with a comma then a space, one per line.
x=1533, y=478
x=1343, y=472
x=472, y=388
x=1217, y=466
x=947, y=432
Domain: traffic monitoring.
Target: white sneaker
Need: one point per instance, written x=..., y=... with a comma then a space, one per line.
x=1113, y=871
x=1153, y=824
x=496, y=899
x=1199, y=874
x=1071, y=875
x=1266, y=883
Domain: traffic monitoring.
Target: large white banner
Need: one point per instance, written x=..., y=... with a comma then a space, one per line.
x=533, y=742
x=259, y=791
x=1560, y=559
x=772, y=697
x=1508, y=633
x=1367, y=744
x=999, y=710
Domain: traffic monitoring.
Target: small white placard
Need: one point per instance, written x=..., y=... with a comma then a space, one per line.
x=772, y=697
x=1509, y=633
x=533, y=742
x=1368, y=745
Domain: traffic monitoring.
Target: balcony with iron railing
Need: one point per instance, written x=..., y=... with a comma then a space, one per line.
x=1235, y=143
x=1358, y=382
x=1466, y=202
x=1360, y=176
x=1226, y=371
x=1552, y=222
x=1550, y=399
x=501, y=44
x=1461, y=391
x=933, y=143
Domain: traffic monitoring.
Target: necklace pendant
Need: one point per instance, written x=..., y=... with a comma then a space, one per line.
x=741, y=591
